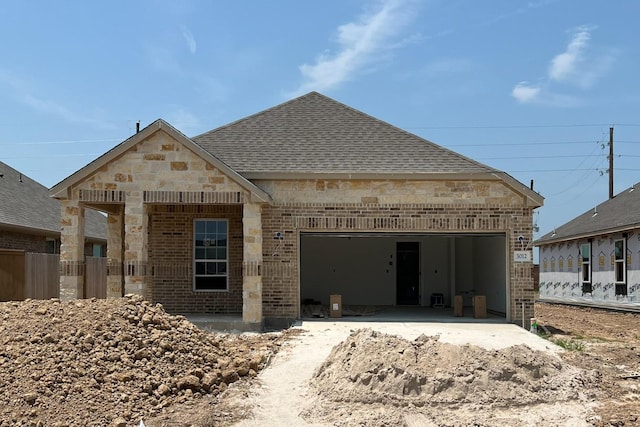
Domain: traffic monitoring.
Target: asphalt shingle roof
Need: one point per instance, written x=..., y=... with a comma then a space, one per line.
x=316, y=134
x=616, y=214
x=26, y=203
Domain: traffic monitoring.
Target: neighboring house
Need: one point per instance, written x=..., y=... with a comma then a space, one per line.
x=30, y=218
x=594, y=259
x=303, y=200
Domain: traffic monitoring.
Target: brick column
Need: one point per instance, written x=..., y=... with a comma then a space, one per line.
x=115, y=279
x=252, y=264
x=135, y=244
x=71, y=250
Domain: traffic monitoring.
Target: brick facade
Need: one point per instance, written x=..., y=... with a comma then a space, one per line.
x=280, y=281
x=157, y=187
x=171, y=259
x=24, y=241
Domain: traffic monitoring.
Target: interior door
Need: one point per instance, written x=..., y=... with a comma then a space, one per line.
x=408, y=273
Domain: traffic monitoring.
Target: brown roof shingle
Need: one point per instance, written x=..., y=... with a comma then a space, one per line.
x=620, y=213
x=27, y=204
x=316, y=134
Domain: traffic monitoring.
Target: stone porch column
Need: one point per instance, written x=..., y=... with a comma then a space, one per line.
x=252, y=263
x=71, y=250
x=135, y=244
x=115, y=278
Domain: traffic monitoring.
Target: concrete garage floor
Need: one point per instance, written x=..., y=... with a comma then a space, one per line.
x=415, y=314
x=284, y=386
x=233, y=323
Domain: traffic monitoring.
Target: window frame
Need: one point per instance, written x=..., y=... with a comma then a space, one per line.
x=217, y=261
x=621, y=285
x=586, y=263
x=586, y=284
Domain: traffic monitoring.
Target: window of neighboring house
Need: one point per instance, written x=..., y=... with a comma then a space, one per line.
x=620, y=259
x=585, y=258
x=52, y=246
x=98, y=250
x=210, y=255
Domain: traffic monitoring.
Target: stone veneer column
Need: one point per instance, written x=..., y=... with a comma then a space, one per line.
x=71, y=250
x=135, y=244
x=252, y=263
x=115, y=288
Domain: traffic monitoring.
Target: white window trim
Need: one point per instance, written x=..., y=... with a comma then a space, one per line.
x=622, y=261
x=193, y=257
x=584, y=263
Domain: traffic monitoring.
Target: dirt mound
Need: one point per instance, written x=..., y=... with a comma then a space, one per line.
x=391, y=379
x=111, y=362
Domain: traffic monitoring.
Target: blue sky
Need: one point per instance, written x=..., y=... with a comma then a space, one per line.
x=528, y=87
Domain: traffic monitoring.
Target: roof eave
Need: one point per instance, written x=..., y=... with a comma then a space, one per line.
x=587, y=234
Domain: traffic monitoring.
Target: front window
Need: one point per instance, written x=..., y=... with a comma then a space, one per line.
x=620, y=260
x=210, y=255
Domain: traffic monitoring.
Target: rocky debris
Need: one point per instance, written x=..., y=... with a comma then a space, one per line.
x=112, y=362
x=380, y=378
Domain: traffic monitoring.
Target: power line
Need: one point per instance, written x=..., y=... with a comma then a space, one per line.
x=78, y=141
x=521, y=126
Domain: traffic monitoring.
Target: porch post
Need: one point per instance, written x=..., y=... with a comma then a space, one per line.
x=71, y=250
x=135, y=244
x=114, y=254
x=252, y=264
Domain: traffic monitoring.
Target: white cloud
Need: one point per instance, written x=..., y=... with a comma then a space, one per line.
x=189, y=39
x=577, y=66
x=565, y=66
x=361, y=42
x=524, y=92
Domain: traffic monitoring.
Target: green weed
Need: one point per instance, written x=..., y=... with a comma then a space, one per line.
x=568, y=344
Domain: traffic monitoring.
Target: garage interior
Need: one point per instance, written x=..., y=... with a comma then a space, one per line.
x=384, y=270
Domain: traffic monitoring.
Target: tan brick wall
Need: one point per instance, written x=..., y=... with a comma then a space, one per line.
x=280, y=282
x=171, y=259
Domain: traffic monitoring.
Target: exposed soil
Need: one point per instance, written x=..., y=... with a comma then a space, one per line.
x=116, y=362
x=607, y=341
x=377, y=379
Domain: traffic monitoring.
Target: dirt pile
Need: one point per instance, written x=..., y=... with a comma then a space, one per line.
x=112, y=362
x=382, y=379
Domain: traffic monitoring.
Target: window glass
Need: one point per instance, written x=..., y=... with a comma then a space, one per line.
x=619, y=249
x=210, y=254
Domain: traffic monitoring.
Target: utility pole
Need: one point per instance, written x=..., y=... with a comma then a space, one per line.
x=611, y=162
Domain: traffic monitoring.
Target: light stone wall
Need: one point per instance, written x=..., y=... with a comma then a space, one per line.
x=252, y=263
x=391, y=192
x=71, y=250
x=160, y=165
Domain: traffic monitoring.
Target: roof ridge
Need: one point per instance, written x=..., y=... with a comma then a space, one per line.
x=251, y=116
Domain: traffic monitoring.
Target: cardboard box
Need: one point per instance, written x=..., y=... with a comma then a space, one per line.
x=335, y=306
x=458, y=306
x=479, y=306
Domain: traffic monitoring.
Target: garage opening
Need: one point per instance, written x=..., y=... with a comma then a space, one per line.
x=420, y=270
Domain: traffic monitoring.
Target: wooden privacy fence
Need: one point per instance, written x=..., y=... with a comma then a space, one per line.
x=37, y=276
x=95, y=277
x=42, y=276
